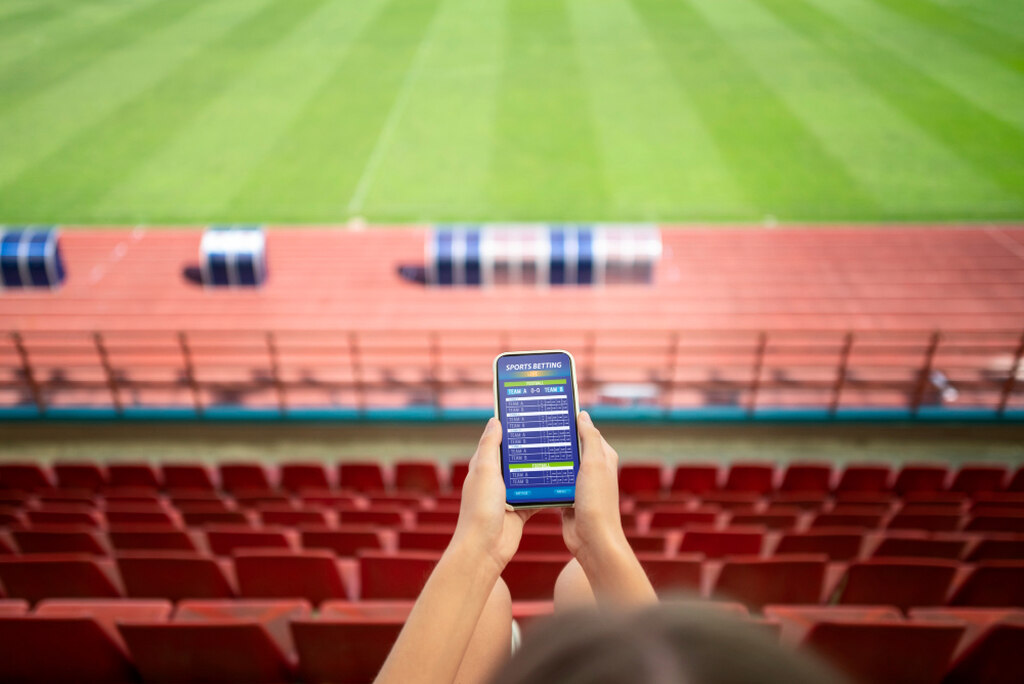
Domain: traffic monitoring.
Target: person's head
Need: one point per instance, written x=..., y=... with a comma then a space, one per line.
x=664, y=644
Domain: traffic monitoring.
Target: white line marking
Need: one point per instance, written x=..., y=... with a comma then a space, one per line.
x=397, y=110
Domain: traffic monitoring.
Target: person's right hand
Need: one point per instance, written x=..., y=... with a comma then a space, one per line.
x=593, y=527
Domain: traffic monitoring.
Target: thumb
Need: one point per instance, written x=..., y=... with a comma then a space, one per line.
x=590, y=437
x=489, y=441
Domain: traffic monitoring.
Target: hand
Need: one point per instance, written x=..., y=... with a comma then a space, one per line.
x=485, y=526
x=593, y=526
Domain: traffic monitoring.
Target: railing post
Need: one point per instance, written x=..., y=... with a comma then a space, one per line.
x=357, y=370
x=841, y=370
x=26, y=369
x=755, y=380
x=101, y=351
x=1011, y=379
x=926, y=371
x=275, y=373
x=190, y=372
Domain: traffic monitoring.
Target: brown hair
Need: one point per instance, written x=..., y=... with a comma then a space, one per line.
x=662, y=644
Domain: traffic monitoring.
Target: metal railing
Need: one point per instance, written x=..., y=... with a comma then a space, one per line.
x=748, y=370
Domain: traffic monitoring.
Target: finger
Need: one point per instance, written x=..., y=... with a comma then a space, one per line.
x=590, y=438
x=526, y=513
x=609, y=452
x=487, y=451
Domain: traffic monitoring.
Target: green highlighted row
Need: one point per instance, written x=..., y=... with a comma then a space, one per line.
x=540, y=466
x=523, y=383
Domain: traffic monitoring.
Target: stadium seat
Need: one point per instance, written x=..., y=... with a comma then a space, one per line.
x=679, y=517
x=237, y=477
x=274, y=614
x=64, y=514
x=531, y=576
x=921, y=478
x=138, y=515
x=150, y=538
x=229, y=650
x=13, y=607
x=61, y=649
x=387, y=517
x=636, y=478
x=10, y=516
x=750, y=477
x=310, y=575
x=290, y=517
x=225, y=540
x=719, y=543
x=399, y=575
x=929, y=519
x=298, y=476
x=863, y=477
x=535, y=541
x=903, y=582
x=26, y=477
x=1017, y=482
x=990, y=650
x=427, y=538
x=780, y=519
x=200, y=515
x=997, y=547
x=695, y=479
x=188, y=476
x=459, y=471
x=998, y=583
x=59, y=539
x=1006, y=521
x=85, y=476
x=344, y=541
x=649, y=542
x=975, y=479
x=173, y=575
x=133, y=475
x=344, y=649
x=41, y=576
x=107, y=612
x=417, y=476
x=672, y=574
x=361, y=477
x=865, y=520
x=395, y=499
x=807, y=477
x=839, y=544
x=444, y=516
x=910, y=545
x=760, y=581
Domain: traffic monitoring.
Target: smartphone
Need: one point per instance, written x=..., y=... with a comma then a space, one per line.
x=536, y=400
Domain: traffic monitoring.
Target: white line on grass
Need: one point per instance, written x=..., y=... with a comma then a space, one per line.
x=355, y=204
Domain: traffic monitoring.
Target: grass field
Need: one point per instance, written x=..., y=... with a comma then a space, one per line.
x=163, y=111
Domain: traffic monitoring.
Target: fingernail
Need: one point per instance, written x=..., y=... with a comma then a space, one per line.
x=491, y=424
x=585, y=417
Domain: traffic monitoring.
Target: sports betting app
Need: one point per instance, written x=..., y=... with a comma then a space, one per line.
x=540, y=456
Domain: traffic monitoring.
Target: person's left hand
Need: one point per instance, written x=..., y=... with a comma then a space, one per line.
x=485, y=525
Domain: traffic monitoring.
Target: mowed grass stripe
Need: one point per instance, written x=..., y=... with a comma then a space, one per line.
x=660, y=160
x=997, y=15
x=908, y=173
x=27, y=18
x=311, y=174
x=780, y=165
x=43, y=123
x=209, y=159
x=37, y=72
x=546, y=163
x=985, y=82
x=994, y=148
x=125, y=138
x=1005, y=46
x=435, y=166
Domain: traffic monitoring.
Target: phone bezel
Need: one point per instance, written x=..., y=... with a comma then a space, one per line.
x=576, y=412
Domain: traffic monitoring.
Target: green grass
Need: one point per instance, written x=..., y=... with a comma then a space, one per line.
x=314, y=111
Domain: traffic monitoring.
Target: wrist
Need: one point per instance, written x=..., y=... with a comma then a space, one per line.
x=474, y=557
x=608, y=550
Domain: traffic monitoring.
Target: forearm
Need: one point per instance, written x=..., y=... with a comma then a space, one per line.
x=615, y=574
x=434, y=638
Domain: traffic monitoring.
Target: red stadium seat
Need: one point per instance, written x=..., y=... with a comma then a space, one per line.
x=86, y=476
x=807, y=477
x=760, y=581
x=399, y=575
x=139, y=515
x=344, y=649
x=994, y=657
x=290, y=517
x=425, y=538
x=866, y=520
x=107, y=612
x=61, y=649
x=361, y=477
x=197, y=516
x=997, y=547
x=839, y=544
x=679, y=517
x=672, y=574
x=921, y=478
x=229, y=650
x=897, y=582
x=298, y=476
x=635, y=478
x=695, y=478
x=992, y=583
x=150, y=538
x=1017, y=482
x=173, y=575
x=225, y=540
x=778, y=520
x=531, y=576
x=719, y=543
x=188, y=476
x=57, y=576
x=864, y=477
x=310, y=575
x=11, y=516
x=274, y=614
x=387, y=517
x=975, y=479
x=237, y=477
x=535, y=541
x=27, y=477
x=64, y=514
x=898, y=545
x=1007, y=521
x=59, y=539
x=371, y=609
x=344, y=541
x=652, y=542
x=937, y=520
x=750, y=477
x=81, y=497
x=133, y=475
x=459, y=471
x=417, y=476
x=444, y=516
x=10, y=607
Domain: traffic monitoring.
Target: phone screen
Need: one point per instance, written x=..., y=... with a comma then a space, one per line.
x=537, y=405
